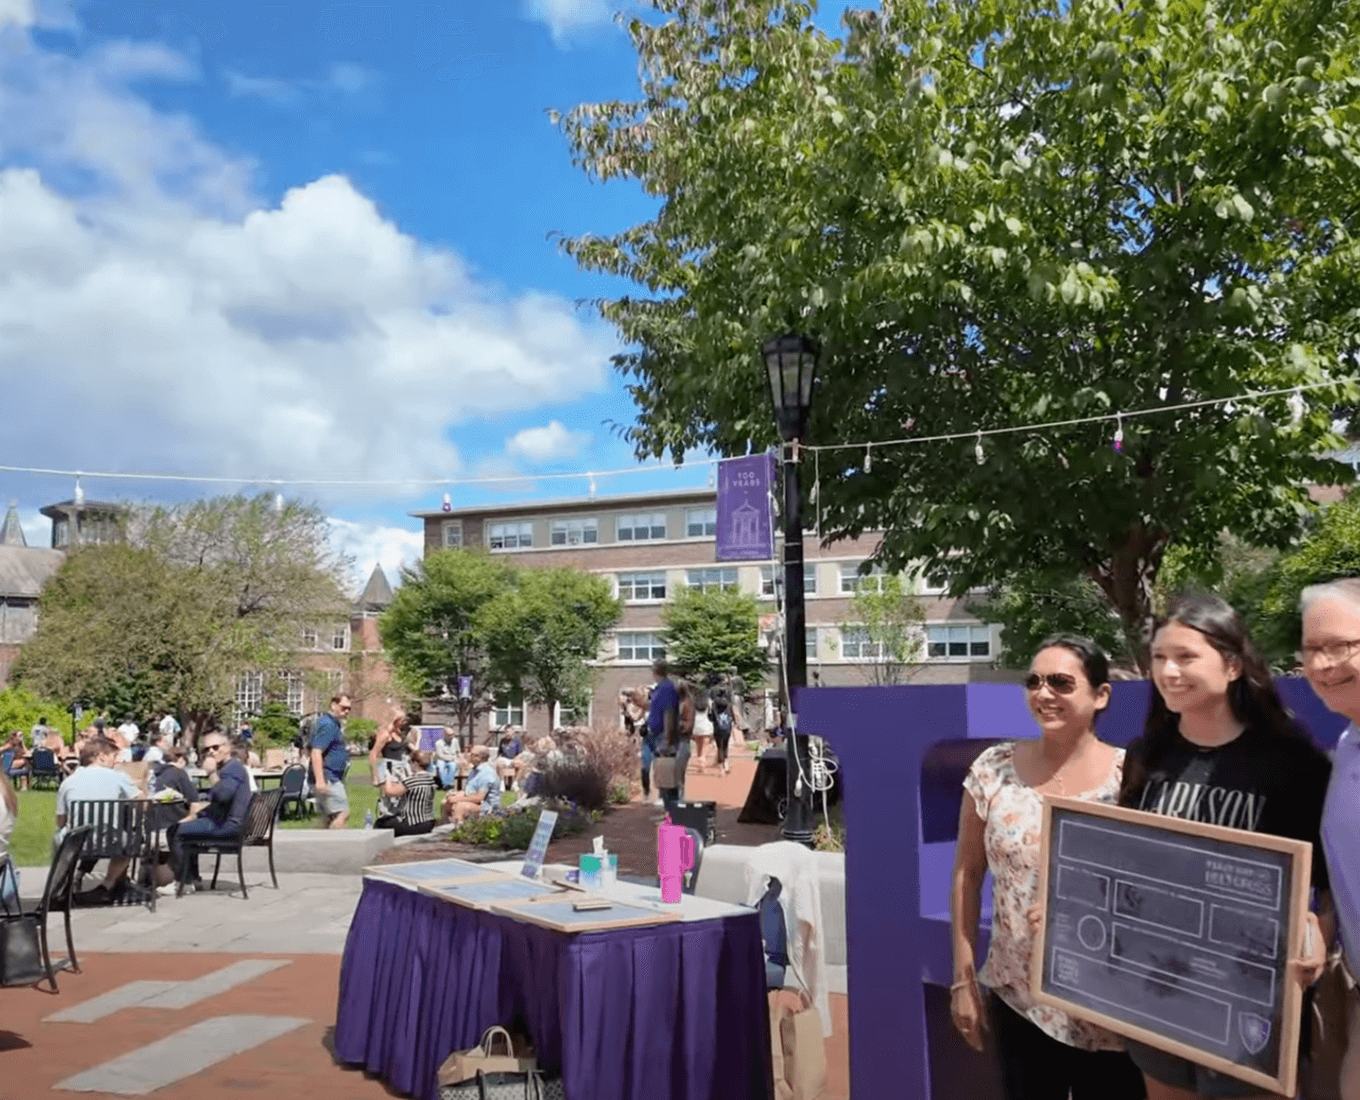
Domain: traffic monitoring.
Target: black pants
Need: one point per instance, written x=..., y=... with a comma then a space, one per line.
x=391, y=821
x=722, y=740
x=1035, y=1066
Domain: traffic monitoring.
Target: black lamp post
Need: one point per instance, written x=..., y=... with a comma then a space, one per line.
x=791, y=361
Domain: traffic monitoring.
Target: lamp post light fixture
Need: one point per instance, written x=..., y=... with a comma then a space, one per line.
x=791, y=362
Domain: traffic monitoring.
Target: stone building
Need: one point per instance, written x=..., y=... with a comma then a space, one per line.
x=650, y=544
x=24, y=570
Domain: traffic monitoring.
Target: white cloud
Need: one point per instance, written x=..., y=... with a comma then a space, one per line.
x=17, y=13
x=553, y=442
x=370, y=544
x=569, y=20
x=342, y=77
x=182, y=324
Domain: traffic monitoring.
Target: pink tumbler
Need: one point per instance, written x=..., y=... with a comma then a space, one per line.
x=674, y=856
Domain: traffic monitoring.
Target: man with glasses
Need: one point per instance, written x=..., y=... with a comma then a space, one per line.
x=223, y=815
x=330, y=761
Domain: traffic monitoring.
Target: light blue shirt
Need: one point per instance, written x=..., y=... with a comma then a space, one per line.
x=484, y=778
x=93, y=784
x=1341, y=839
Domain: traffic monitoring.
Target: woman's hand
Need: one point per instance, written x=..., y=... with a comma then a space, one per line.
x=1034, y=915
x=965, y=1008
x=1313, y=958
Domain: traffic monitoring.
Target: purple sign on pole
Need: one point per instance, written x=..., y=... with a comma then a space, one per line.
x=744, y=529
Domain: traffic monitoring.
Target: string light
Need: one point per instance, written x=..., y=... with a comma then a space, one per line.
x=278, y=503
x=592, y=486
x=448, y=503
x=504, y=479
x=1297, y=407
x=868, y=458
x=978, y=451
x=79, y=495
x=1119, y=435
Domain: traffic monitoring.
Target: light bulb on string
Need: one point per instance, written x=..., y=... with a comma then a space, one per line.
x=712, y=478
x=978, y=451
x=278, y=503
x=448, y=503
x=1297, y=407
x=1118, y=434
x=812, y=496
x=79, y=497
x=592, y=485
x=868, y=458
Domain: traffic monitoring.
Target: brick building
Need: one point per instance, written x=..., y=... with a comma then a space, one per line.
x=649, y=544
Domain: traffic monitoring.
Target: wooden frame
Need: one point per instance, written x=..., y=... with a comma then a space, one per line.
x=471, y=893
x=434, y=872
x=543, y=912
x=1293, y=898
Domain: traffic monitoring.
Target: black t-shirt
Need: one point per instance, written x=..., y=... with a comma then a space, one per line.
x=1259, y=781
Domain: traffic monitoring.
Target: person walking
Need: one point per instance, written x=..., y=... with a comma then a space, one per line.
x=703, y=726
x=662, y=712
x=721, y=716
x=1217, y=725
x=1044, y=1054
x=679, y=745
x=330, y=762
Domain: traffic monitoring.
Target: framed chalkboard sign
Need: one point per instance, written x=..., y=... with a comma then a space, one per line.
x=1176, y=934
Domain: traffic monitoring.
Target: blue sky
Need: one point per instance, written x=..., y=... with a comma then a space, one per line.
x=306, y=240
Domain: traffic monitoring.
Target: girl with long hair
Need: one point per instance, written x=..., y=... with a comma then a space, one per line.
x=1219, y=746
x=1044, y=1054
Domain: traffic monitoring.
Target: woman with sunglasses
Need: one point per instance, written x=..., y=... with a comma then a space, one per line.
x=1218, y=746
x=1044, y=1054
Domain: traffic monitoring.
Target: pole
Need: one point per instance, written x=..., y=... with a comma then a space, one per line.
x=798, y=813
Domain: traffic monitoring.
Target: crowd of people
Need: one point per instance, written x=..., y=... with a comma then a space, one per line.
x=1216, y=725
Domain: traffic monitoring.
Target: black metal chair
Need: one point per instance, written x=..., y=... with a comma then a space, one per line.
x=293, y=784
x=257, y=831
x=120, y=829
x=45, y=768
x=56, y=897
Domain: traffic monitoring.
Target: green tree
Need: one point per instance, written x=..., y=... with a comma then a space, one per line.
x=1035, y=606
x=20, y=709
x=199, y=595
x=549, y=626
x=714, y=630
x=991, y=215
x=891, y=619
x=441, y=626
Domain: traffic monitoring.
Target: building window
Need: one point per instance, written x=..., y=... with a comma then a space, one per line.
x=769, y=573
x=309, y=639
x=641, y=646
x=453, y=533
x=509, y=711
x=574, y=532
x=340, y=638
x=641, y=587
x=968, y=643
x=810, y=639
x=701, y=523
x=249, y=695
x=854, y=581
x=711, y=580
x=936, y=582
x=635, y=528
x=293, y=692
x=510, y=536
x=571, y=716
x=61, y=533
x=856, y=645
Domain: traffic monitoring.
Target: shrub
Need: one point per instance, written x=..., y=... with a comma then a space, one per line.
x=361, y=730
x=20, y=709
x=620, y=794
x=514, y=830
x=614, y=748
x=576, y=778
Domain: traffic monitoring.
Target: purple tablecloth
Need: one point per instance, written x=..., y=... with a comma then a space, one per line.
x=668, y=1012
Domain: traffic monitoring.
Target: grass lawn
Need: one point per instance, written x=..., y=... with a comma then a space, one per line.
x=31, y=843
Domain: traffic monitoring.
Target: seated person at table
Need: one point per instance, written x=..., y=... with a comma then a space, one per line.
x=18, y=766
x=175, y=794
x=510, y=748
x=413, y=795
x=155, y=752
x=224, y=814
x=96, y=780
x=446, y=752
x=481, y=794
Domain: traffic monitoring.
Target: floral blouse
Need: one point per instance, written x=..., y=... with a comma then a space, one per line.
x=1013, y=812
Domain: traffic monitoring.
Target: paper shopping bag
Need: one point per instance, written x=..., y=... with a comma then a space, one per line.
x=804, y=1050
x=663, y=773
x=462, y=1065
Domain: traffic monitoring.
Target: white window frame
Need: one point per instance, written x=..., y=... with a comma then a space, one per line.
x=768, y=574
x=708, y=582
x=294, y=693
x=451, y=534
x=928, y=585
x=856, y=645
x=340, y=634
x=575, y=531
x=852, y=578
x=705, y=519
x=559, y=710
x=311, y=639
x=508, y=710
x=627, y=586
x=635, y=522
x=949, y=636
x=812, y=636
x=509, y=535
x=655, y=647
x=249, y=694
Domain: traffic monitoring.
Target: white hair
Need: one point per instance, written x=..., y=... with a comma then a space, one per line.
x=1345, y=589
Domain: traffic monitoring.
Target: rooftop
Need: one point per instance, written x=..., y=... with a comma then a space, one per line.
x=574, y=504
x=25, y=569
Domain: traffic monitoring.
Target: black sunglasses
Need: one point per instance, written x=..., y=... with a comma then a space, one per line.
x=1061, y=682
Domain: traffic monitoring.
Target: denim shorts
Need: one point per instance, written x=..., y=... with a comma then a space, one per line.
x=1183, y=1074
x=334, y=799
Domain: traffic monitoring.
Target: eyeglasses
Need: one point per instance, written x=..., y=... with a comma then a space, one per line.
x=1061, y=682
x=1334, y=652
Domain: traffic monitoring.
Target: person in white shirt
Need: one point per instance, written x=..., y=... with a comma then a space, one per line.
x=156, y=753
x=169, y=727
x=446, y=752
x=129, y=730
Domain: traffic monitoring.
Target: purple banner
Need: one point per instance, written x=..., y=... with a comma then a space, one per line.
x=744, y=529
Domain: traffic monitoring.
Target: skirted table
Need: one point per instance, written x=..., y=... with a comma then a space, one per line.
x=666, y=1012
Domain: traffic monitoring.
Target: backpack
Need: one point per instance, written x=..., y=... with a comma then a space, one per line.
x=722, y=721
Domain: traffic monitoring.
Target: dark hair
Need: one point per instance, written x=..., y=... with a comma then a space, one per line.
x=94, y=748
x=659, y=666
x=238, y=748
x=1093, y=661
x=1252, y=697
